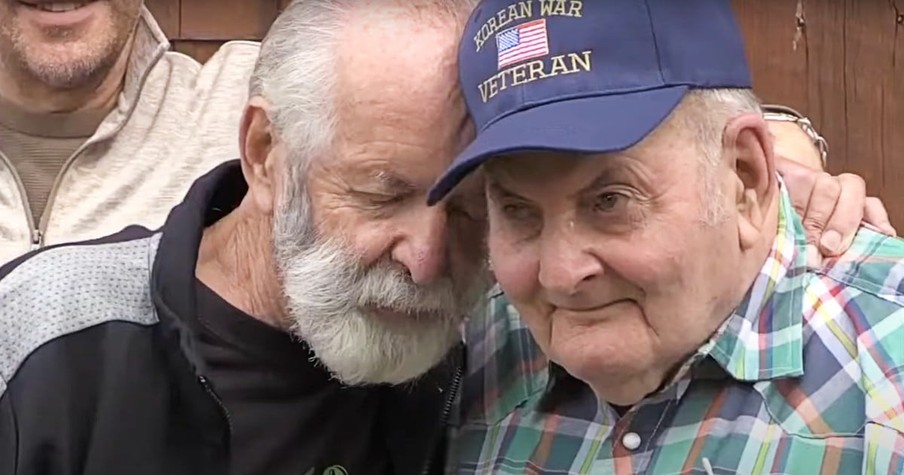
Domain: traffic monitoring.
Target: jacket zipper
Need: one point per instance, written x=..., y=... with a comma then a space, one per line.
x=213, y=395
x=447, y=409
x=39, y=228
x=37, y=235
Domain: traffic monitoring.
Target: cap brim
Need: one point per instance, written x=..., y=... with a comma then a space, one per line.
x=600, y=124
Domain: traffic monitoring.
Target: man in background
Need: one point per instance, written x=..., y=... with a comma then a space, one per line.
x=101, y=126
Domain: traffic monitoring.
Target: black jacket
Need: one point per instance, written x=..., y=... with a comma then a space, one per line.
x=99, y=372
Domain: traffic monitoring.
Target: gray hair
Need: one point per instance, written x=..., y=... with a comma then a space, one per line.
x=294, y=73
x=296, y=68
x=705, y=113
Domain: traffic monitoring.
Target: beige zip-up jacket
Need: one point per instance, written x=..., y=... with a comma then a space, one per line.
x=174, y=121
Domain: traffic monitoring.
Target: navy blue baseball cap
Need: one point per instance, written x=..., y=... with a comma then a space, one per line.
x=586, y=76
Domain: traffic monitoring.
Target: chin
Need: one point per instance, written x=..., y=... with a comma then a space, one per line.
x=359, y=349
x=72, y=64
x=615, y=385
x=69, y=54
x=616, y=376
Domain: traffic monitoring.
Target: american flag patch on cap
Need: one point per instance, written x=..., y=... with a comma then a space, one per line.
x=522, y=42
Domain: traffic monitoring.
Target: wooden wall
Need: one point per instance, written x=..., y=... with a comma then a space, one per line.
x=198, y=27
x=842, y=63
x=839, y=61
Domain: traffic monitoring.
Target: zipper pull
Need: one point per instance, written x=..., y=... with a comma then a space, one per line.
x=37, y=239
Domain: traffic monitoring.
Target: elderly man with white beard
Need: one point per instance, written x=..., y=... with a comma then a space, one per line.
x=298, y=313
x=192, y=350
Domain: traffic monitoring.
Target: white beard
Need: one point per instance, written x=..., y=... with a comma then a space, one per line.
x=327, y=292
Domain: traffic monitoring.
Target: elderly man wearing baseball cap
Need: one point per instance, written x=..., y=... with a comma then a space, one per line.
x=660, y=313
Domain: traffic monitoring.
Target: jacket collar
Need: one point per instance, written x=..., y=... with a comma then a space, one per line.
x=173, y=282
x=148, y=47
x=415, y=417
x=173, y=293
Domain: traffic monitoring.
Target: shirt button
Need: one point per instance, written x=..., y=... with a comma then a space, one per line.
x=631, y=441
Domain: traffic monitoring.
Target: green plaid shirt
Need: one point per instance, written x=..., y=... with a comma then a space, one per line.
x=806, y=376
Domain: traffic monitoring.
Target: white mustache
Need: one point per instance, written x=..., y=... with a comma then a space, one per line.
x=382, y=285
x=389, y=287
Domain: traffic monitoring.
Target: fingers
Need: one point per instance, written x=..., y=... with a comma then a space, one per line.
x=832, y=209
x=821, y=206
x=844, y=221
x=806, y=186
x=875, y=214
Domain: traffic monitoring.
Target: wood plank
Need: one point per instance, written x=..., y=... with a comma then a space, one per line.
x=167, y=13
x=868, y=73
x=226, y=19
x=778, y=68
x=893, y=125
x=201, y=50
x=842, y=75
x=825, y=23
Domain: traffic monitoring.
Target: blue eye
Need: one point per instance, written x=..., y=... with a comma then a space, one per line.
x=608, y=201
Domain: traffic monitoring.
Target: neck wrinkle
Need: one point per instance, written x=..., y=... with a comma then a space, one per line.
x=236, y=261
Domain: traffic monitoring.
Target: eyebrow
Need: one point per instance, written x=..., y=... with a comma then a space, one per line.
x=606, y=177
x=602, y=179
x=498, y=190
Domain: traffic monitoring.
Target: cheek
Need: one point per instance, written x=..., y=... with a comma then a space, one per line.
x=650, y=267
x=540, y=325
x=371, y=245
x=652, y=270
x=369, y=239
x=677, y=283
x=516, y=270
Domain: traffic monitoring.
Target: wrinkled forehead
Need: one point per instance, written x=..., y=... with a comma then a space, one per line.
x=398, y=96
x=394, y=54
x=398, y=70
x=665, y=150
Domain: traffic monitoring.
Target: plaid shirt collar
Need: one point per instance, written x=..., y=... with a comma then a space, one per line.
x=763, y=337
